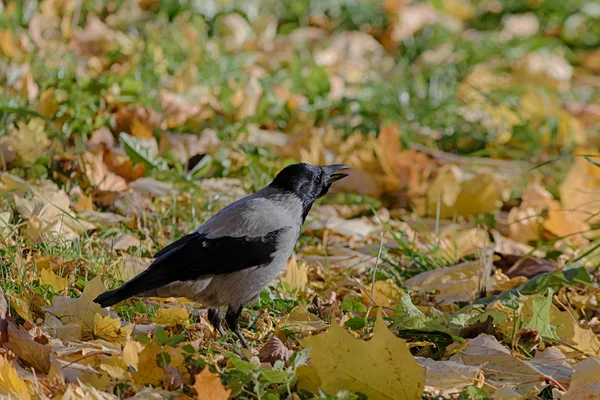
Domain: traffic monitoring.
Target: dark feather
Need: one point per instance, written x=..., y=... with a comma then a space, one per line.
x=194, y=256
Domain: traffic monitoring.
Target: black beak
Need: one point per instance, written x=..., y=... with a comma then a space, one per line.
x=331, y=172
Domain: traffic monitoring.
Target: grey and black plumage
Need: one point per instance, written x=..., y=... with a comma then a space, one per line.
x=237, y=252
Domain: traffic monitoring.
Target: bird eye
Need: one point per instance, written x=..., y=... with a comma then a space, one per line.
x=319, y=178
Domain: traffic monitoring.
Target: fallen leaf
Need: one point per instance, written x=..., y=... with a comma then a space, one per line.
x=80, y=311
x=185, y=146
x=459, y=282
x=150, y=372
x=499, y=366
x=99, y=175
x=381, y=368
x=300, y=320
x=446, y=377
x=58, y=284
x=208, y=386
x=274, y=350
x=11, y=384
x=296, y=276
x=110, y=329
x=585, y=383
x=22, y=344
x=579, y=190
x=172, y=316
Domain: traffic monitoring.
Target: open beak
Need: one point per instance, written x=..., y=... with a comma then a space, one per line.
x=332, y=173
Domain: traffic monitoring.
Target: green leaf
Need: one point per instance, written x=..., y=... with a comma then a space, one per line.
x=163, y=359
x=143, y=339
x=161, y=336
x=140, y=154
x=473, y=393
x=243, y=366
x=408, y=317
x=300, y=357
x=541, y=283
x=352, y=305
x=177, y=338
x=273, y=376
x=540, y=320
x=355, y=323
x=201, y=168
x=188, y=348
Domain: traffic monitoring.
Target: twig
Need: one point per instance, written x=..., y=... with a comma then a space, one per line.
x=373, y=278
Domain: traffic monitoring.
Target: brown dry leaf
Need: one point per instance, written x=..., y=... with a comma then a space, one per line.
x=22, y=344
x=296, y=276
x=499, y=366
x=123, y=242
x=99, y=175
x=172, y=316
x=11, y=384
x=513, y=265
x=381, y=368
x=208, y=386
x=459, y=282
x=274, y=350
x=185, y=146
x=585, y=383
x=446, y=377
x=10, y=46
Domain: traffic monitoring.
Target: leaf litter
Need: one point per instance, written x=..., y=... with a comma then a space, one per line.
x=475, y=170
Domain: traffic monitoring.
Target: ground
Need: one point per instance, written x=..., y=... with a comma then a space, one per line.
x=458, y=260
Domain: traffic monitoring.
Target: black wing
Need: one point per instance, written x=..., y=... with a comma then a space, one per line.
x=194, y=256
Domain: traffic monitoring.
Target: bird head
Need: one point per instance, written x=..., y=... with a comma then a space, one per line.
x=307, y=181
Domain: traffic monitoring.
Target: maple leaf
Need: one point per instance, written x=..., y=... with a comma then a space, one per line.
x=381, y=368
x=209, y=386
x=80, y=311
x=172, y=316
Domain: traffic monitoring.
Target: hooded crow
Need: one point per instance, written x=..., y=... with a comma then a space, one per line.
x=237, y=252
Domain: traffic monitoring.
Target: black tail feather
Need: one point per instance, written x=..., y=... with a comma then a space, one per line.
x=115, y=296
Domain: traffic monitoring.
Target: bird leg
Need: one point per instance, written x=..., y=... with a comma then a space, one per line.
x=233, y=317
x=214, y=317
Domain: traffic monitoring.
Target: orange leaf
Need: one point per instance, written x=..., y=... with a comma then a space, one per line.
x=209, y=386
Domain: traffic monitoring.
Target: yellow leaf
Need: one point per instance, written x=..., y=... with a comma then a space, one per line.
x=29, y=140
x=110, y=329
x=150, y=373
x=141, y=129
x=301, y=320
x=10, y=45
x=172, y=316
x=209, y=386
x=131, y=352
x=385, y=294
x=296, y=276
x=381, y=368
x=80, y=311
x=11, y=384
x=58, y=284
x=579, y=191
